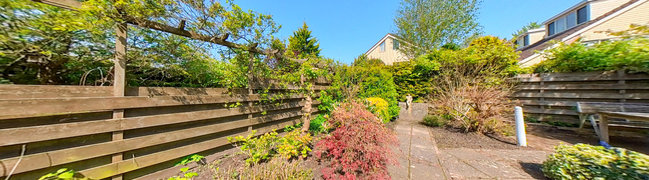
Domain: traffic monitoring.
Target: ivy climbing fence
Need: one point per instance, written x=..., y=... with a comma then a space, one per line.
x=552, y=97
x=44, y=128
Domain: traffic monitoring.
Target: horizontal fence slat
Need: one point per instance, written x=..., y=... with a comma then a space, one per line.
x=64, y=156
x=16, y=108
x=581, y=95
x=584, y=87
x=48, y=91
x=57, y=131
x=550, y=111
x=548, y=103
x=588, y=76
x=128, y=165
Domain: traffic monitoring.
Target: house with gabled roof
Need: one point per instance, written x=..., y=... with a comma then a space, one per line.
x=387, y=50
x=585, y=22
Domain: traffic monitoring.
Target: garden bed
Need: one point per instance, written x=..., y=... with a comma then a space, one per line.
x=539, y=137
x=236, y=163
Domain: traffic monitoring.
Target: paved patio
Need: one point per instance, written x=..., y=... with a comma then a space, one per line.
x=419, y=157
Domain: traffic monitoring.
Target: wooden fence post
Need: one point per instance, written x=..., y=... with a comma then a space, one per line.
x=621, y=74
x=306, y=110
x=119, y=83
x=250, y=88
x=541, y=98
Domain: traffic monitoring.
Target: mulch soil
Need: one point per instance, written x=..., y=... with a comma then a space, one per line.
x=539, y=137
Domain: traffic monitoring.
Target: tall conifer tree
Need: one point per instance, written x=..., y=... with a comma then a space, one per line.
x=302, y=44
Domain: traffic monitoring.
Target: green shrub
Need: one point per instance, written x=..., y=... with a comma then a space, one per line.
x=583, y=161
x=434, y=120
x=319, y=124
x=471, y=86
x=414, y=78
x=629, y=54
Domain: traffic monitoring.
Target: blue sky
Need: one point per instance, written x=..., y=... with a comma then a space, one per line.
x=348, y=28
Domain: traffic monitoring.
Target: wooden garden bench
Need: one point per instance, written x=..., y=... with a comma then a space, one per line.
x=633, y=115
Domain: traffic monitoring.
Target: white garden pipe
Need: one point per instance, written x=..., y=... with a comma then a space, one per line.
x=520, y=126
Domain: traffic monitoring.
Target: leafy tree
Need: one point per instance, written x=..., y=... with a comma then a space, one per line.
x=428, y=24
x=44, y=44
x=524, y=29
x=302, y=44
x=364, y=61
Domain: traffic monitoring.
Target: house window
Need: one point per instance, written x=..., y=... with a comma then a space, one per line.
x=571, y=20
x=568, y=21
x=526, y=42
x=395, y=44
x=582, y=15
x=551, y=29
x=560, y=25
x=382, y=46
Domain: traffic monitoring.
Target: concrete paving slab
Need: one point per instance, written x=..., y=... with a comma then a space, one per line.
x=419, y=157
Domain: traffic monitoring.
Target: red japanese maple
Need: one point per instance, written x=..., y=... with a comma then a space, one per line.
x=359, y=148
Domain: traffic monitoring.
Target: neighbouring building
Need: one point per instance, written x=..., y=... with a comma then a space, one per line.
x=387, y=50
x=586, y=21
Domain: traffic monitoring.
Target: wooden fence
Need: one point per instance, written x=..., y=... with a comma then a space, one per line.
x=73, y=127
x=553, y=96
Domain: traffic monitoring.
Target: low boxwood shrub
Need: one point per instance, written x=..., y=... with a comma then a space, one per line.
x=434, y=120
x=583, y=161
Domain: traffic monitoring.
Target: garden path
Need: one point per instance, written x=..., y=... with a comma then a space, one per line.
x=419, y=157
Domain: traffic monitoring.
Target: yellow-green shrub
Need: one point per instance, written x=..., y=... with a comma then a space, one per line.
x=583, y=161
x=294, y=144
x=257, y=148
x=379, y=107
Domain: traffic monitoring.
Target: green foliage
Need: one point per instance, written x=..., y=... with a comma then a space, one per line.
x=379, y=107
x=582, y=161
x=187, y=175
x=319, y=124
x=486, y=58
x=294, y=144
x=524, y=29
x=262, y=148
x=434, y=120
x=364, y=79
x=43, y=44
x=327, y=102
x=256, y=148
x=414, y=78
x=189, y=159
x=62, y=174
x=427, y=25
x=628, y=54
x=302, y=44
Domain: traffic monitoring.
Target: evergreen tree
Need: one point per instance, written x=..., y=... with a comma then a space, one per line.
x=302, y=44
